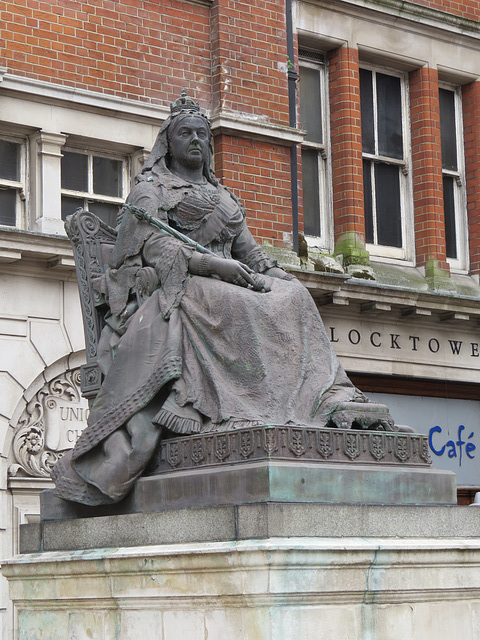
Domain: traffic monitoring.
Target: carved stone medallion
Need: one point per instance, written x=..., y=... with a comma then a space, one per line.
x=50, y=424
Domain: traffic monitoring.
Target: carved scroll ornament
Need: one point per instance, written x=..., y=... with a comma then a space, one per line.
x=40, y=436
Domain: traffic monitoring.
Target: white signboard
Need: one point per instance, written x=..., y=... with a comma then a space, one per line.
x=453, y=428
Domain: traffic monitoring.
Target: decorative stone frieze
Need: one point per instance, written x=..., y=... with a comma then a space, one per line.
x=293, y=443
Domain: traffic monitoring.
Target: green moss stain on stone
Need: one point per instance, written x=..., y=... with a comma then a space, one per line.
x=42, y=625
x=350, y=250
x=438, y=278
x=397, y=276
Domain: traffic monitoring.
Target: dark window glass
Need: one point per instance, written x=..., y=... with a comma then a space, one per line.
x=366, y=102
x=74, y=171
x=311, y=203
x=387, y=196
x=107, y=175
x=9, y=160
x=448, y=131
x=8, y=202
x=70, y=205
x=389, y=116
x=310, y=104
x=106, y=211
x=367, y=196
x=449, y=208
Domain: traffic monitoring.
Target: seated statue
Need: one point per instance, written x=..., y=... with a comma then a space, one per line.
x=223, y=337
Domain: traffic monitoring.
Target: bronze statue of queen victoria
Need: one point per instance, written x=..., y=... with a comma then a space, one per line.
x=220, y=338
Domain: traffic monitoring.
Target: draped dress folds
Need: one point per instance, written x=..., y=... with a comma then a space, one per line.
x=219, y=356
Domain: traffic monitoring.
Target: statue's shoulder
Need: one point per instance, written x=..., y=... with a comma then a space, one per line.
x=237, y=209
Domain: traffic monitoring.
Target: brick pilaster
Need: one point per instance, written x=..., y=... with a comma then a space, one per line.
x=249, y=58
x=429, y=222
x=346, y=141
x=471, y=123
x=249, y=79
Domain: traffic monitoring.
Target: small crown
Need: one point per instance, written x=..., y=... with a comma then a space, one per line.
x=184, y=103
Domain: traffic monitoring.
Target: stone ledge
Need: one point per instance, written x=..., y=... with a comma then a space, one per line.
x=252, y=521
x=254, y=589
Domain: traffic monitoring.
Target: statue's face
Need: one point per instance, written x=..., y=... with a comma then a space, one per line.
x=189, y=142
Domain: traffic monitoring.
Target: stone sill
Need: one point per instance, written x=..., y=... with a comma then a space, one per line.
x=54, y=253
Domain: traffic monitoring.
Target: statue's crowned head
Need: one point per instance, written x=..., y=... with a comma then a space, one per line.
x=159, y=159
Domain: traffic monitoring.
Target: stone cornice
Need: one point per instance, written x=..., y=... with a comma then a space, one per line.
x=80, y=99
x=239, y=124
x=251, y=127
x=374, y=299
x=409, y=11
x=40, y=254
x=31, y=250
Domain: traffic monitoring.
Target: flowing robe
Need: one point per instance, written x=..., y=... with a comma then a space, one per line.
x=219, y=356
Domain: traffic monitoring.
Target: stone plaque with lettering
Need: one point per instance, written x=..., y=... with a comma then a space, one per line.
x=50, y=424
x=405, y=347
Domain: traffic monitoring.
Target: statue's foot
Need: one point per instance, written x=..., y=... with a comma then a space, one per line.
x=362, y=415
x=404, y=428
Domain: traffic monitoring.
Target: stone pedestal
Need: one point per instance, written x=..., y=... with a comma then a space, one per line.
x=248, y=536
x=281, y=464
x=275, y=589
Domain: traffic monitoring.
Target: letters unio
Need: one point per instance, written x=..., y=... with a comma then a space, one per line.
x=74, y=414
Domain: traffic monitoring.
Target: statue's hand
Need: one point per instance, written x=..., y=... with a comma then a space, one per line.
x=237, y=273
x=276, y=272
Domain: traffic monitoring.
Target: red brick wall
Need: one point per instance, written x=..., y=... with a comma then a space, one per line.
x=427, y=168
x=231, y=56
x=249, y=77
x=466, y=8
x=128, y=48
x=346, y=141
x=249, y=58
x=471, y=123
x=259, y=174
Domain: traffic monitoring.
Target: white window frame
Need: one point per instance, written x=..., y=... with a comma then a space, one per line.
x=406, y=253
x=89, y=197
x=20, y=186
x=325, y=196
x=461, y=263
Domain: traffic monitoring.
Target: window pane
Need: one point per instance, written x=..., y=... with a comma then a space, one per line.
x=389, y=116
x=9, y=161
x=366, y=100
x=368, y=200
x=106, y=211
x=107, y=175
x=448, y=131
x=387, y=194
x=70, y=205
x=311, y=200
x=74, y=171
x=8, y=204
x=310, y=104
x=449, y=208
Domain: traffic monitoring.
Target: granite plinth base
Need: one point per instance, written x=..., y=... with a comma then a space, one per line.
x=250, y=521
x=275, y=589
x=280, y=464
